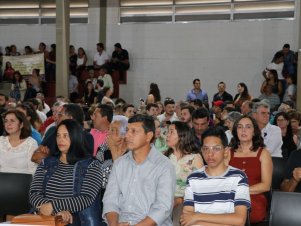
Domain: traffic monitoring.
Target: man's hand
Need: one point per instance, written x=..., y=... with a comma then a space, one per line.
x=46, y=209
x=187, y=218
x=39, y=154
x=297, y=174
x=66, y=216
x=116, y=142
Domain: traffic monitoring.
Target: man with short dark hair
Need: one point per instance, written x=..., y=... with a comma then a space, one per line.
x=289, y=59
x=152, y=109
x=216, y=194
x=186, y=115
x=120, y=58
x=101, y=57
x=222, y=94
x=128, y=110
x=102, y=118
x=142, y=183
x=200, y=121
x=169, y=115
x=197, y=92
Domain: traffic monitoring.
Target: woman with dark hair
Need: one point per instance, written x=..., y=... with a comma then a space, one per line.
x=242, y=95
x=271, y=78
x=154, y=94
x=18, y=86
x=248, y=154
x=8, y=72
x=17, y=147
x=68, y=182
x=33, y=118
x=184, y=154
x=290, y=141
x=89, y=95
x=81, y=61
x=107, y=92
x=72, y=58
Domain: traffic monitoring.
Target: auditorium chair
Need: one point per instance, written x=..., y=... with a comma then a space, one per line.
x=285, y=209
x=14, y=191
x=278, y=172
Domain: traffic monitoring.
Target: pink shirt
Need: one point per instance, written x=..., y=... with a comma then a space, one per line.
x=99, y=137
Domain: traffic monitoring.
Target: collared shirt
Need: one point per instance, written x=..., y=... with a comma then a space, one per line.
x=100, y=137
x=201, y=95
x=136, y=191
x=272, y=139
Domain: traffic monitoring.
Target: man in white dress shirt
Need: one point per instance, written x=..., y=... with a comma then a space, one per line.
x=101, y=57
x=270, y=133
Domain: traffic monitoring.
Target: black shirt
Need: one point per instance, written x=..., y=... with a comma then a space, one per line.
x=224, y=97
x=123, y=55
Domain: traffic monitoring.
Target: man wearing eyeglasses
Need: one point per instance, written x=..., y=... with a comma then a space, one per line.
x=216, y=194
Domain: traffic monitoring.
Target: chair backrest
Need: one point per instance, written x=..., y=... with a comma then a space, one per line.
x=285, y=209
x=14, y=191
x=278, y=172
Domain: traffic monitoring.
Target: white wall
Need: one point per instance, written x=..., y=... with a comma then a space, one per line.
x=172, y=55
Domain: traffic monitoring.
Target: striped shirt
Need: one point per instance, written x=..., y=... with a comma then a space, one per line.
x=217, y=194
x=59, y=189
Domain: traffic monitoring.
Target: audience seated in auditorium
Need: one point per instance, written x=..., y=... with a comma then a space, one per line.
x=216, y=194
x=68, y=183
x=222, y=94
x=152, y=109
x=271, y=134
x=242, y=95
x=184, y=154
x=290, y=140
x=197, y=92
x=249, y=155
x=150, y=195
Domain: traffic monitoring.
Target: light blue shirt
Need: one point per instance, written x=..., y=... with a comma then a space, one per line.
x=201, y=95
x=136, y=191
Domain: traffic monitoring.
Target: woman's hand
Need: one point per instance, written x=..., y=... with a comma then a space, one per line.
x=46, y=209
x=115, y=141
x=66, y=216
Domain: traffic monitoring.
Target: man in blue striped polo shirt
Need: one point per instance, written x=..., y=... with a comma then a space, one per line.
x=216, y=194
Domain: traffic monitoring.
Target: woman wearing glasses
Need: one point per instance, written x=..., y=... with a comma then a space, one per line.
x=248, y=154
x=184, y=154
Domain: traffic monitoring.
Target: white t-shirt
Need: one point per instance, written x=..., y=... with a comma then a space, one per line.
x=101, y=58
x=278, y=68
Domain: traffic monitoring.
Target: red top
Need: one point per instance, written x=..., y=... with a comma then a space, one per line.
x=250, y=165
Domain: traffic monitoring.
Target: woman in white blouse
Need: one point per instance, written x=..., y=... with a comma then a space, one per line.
x=17, y=147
